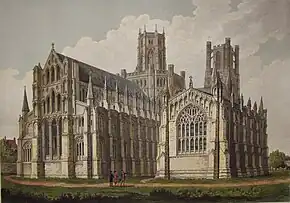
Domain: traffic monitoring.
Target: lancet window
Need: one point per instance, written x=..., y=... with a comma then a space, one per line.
x=80, y=148
x=192, y=130
x=27, y=152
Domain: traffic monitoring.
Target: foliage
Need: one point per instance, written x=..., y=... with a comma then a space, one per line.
x=7, y=154
x=277, y=159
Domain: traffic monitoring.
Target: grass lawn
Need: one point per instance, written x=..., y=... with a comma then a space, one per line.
x=269, y=192
x=272, y=176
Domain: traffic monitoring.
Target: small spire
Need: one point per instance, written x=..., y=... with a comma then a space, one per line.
x=90, y=95
x=52, y=45
x=255, y=107
x=163, y=31
x=144, y=28
x=190, y=82
x=249, y=103
x=25, y=107
x=242, y=100
x=261, y=106
x=140, y=31
x=155, y=27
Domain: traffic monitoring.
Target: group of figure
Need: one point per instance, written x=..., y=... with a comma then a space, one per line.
x=117, y=178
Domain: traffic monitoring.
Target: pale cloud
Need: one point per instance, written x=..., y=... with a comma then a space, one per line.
x=11, y=91
x=252, y=23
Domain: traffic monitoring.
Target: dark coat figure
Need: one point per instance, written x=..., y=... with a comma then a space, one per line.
x=111, y=178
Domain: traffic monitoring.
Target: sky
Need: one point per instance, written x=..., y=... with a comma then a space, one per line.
x=104, y=33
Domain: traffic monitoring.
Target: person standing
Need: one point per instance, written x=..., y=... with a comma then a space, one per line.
x=111, y=178
x=123, y=178
x=115, y=177
x=120, y=177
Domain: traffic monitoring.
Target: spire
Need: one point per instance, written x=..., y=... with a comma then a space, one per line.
x=90, y=95
x=25, y=107
x=249, y=103
x=52, y=45
x=261, y=106
x=163, y=31
x=190, y=82
x=139, y=31
x=255, y=107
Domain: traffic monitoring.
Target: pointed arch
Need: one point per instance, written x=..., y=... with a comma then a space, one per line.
x=218, y=60
x=46, y=138
x=58, y=102
x=48, y=104
x=47, y=76
x=60, y=135
x=52, y=74
x=192, y=129
x=57, y=72
x=54, y=137
x=52, y=101
x=26, y=151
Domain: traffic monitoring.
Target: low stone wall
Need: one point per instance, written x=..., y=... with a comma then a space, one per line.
x=8, y=168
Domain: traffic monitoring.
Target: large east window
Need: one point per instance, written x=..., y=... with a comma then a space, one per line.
x=192, y=130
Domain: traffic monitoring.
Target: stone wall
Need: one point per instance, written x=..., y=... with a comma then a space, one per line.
x=53, y=169
x=81, y=169
x=27, y=169
x=8, y=168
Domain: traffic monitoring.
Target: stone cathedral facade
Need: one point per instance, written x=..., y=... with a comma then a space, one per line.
x=213, y=133
x=86, y=122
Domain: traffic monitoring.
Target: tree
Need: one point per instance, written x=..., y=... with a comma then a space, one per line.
x=277, y=159
x=7, y=154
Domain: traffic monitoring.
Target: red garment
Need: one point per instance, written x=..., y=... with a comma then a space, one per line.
x=116, y=176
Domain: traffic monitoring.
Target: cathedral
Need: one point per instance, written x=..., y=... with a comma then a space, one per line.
x=86, y=122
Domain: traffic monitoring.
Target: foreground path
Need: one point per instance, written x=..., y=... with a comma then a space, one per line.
x=104, y=185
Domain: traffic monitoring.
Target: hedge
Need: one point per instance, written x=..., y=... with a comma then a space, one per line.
x=278, y=192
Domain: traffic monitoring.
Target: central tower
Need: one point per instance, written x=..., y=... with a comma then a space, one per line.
x=151, y=52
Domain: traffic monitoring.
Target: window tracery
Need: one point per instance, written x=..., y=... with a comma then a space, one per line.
x=192, y=130
x=27, y=152
x=80, y=148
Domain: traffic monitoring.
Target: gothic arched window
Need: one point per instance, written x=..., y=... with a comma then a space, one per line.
x=192, y=130
x=27, y=152
x=218, y=60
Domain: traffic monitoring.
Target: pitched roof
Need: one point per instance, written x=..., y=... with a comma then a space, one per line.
x=99, y=75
